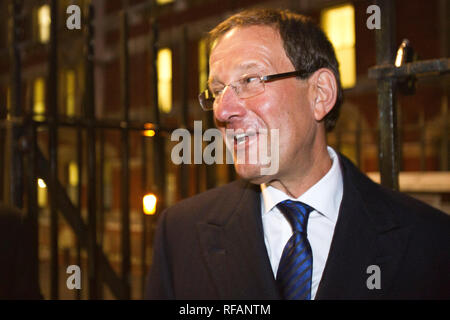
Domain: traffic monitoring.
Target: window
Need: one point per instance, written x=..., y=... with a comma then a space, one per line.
x=70, y=92
x=73, y=174
x=39, y=99
x=202, y=65
x=72, y=190
x=44, y=21
x=41, y=193
x=164, y=63
x=161, y=2
x=339, y=25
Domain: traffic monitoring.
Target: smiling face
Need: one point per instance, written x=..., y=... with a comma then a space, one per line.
x=286, y=104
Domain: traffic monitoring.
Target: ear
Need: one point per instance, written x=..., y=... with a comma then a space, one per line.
x=325, y=93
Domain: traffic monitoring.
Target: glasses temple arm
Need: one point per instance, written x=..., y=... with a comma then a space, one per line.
x=283, y=75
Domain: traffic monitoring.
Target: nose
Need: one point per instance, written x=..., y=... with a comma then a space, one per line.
x=228, y=106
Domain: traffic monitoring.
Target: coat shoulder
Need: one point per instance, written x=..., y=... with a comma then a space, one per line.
x=216, y=204
x=401, y=207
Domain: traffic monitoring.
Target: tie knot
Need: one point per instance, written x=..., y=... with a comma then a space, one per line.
x=297, y=213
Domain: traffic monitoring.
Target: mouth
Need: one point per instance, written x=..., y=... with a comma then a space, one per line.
x=241, y=138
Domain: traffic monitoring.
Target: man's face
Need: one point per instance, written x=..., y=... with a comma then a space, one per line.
x=284, y=105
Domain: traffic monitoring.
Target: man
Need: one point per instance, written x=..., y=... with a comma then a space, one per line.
x=317, y=228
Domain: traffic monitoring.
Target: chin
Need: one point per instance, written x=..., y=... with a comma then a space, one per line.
x=252, y=173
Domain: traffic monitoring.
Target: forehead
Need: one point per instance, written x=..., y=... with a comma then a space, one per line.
x=248, y=48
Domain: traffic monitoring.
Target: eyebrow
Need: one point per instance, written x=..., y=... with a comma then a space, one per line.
x=247, y=66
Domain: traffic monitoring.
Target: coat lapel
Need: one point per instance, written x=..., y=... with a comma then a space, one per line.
x=232, y=243
x=366, y=234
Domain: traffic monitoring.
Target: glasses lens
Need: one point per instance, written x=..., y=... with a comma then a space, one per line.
x=206, y=100
x=250, y=86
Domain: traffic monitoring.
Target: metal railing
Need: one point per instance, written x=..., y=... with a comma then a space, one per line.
x=388, y=75
x=28, y=162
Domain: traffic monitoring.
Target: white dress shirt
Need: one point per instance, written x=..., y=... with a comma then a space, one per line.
x=325, y=197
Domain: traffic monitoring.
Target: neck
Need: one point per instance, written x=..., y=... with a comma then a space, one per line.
x=294, y=185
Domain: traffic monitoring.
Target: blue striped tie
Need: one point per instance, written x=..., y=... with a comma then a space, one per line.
x=294, y=274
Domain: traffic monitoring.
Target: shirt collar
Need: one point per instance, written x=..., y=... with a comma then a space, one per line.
x=325, y=196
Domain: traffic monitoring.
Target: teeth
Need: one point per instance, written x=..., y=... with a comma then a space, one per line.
x=240, y=137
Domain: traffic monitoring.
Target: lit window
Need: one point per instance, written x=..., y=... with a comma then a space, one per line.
x=202, y=65
x=339, y=25
x=39, y=99
x=164, y=62
x=70, y=93
x=72, y=189
x=73, y=174
x=42, y=193
x=161, y=2
x=44, y=20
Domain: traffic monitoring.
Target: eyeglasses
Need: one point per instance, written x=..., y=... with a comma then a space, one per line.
x=247, y=86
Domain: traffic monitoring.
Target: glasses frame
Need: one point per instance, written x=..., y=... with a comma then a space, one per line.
x=269, y=78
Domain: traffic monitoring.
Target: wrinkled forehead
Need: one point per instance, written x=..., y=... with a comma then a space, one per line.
x=248, y=48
